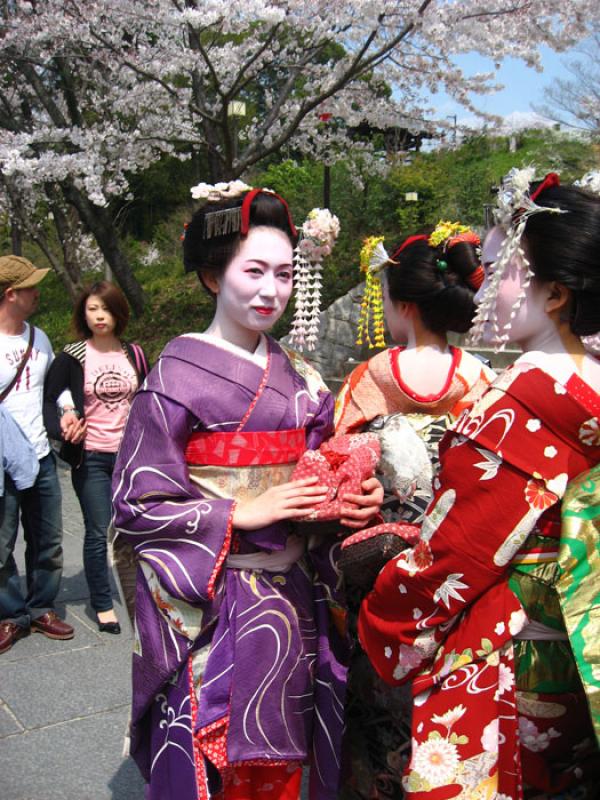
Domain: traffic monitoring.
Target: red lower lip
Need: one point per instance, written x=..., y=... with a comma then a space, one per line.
x=101, y=327
x=266, y=312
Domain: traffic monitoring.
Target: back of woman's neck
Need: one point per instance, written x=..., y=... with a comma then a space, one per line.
x=424, y=364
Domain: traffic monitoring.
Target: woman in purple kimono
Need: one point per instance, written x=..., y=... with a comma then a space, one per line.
x=240, y=655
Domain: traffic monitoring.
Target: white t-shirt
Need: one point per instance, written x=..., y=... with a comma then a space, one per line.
x=25, y=400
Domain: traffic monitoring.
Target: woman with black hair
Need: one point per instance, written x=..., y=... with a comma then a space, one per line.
x=239, y=669
x=423, y=382
x=493, y=615
x=102, y=372
x=428, y=289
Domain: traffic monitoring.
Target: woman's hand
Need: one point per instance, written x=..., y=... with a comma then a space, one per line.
x=358, y=509
x=72, y=428
x=287, y=501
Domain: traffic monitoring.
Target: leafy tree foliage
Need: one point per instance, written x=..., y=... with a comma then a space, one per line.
x=93, y=92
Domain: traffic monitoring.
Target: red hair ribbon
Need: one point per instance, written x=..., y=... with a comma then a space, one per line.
x=549, y=181
x=409, y=241
x=475, y=279
x=470, y=237
x=247, y=202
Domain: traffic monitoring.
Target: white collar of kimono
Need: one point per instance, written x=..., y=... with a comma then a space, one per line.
x=258, y=357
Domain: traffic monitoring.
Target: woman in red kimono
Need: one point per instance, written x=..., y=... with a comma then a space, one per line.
x=485, y=614
x=409, y=394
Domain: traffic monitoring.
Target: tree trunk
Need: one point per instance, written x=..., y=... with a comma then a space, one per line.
x=15, y=237
x=66, y=229
x=101, y=225
x=73, y=288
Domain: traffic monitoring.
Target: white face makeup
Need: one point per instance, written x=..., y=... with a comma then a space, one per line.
x=529, y=323
x=254, y=291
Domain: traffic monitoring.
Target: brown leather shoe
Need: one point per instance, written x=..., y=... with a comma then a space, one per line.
x=10, y=633
x=52, y=626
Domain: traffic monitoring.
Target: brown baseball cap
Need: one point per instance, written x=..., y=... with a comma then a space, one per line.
x=19, y=273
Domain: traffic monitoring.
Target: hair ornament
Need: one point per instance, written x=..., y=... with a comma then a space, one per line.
x=515, y=204
x=317, y=239
x=420, y=237
x=224, y=221
x=441, y=264
x=476, y=278
x=590, y=181
x=444, y=232
x=515, y=201
x=373, y=257
x=379, y=257
x=220, y=191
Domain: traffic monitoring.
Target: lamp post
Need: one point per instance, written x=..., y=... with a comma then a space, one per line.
x=325, y=117
x=235, y=109
x=453, y=117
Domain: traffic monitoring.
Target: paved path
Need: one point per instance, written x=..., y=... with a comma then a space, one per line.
x=64, y=705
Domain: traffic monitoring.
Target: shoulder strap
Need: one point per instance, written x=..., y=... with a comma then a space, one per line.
x=141, y=364
x=21, y=366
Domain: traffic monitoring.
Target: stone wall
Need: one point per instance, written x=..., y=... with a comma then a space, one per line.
x=337, y=352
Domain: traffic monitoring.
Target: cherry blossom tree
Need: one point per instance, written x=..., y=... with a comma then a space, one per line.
x=574, y=100
x=93, y=91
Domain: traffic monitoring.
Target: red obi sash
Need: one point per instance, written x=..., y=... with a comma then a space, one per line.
x=245, y=449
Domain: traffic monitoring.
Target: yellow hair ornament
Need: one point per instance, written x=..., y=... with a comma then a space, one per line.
x=445, y=231
x=372, y=259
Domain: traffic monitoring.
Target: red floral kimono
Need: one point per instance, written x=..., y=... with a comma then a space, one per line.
x=448, y=612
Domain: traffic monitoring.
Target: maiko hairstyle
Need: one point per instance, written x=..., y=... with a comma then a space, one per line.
x=212, y=254
x=112, y=297
x=436, y=279
x=565, y=248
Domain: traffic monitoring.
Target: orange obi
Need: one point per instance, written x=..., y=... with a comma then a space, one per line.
x=245, y=448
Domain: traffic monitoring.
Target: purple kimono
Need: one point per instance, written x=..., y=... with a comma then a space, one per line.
x=232, y=664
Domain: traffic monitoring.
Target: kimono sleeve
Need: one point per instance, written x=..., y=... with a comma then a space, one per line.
x=481, y=514
x=349, y=417
x=182, y=535
x=320, y=427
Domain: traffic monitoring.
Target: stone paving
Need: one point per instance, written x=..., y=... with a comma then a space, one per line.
x=64, y=705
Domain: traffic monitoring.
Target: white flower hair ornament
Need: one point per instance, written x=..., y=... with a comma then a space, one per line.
x=219, y=191
x=515, y=204
x=590, y=181
x=317, y=238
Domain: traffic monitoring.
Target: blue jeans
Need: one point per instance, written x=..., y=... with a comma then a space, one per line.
x=91, y=481
x=40, y=511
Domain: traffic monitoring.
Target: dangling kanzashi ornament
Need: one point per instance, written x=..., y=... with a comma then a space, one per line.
x=317, y=238
x=373, y=258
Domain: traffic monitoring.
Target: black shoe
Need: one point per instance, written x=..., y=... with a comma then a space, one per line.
x=109, y=627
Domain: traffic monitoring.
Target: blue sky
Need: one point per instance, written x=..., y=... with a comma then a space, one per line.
x=524, y=86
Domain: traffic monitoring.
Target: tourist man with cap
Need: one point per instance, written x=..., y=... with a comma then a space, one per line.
x=25, y=355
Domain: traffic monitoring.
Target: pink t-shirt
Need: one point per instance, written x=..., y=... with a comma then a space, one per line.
x=109, y=385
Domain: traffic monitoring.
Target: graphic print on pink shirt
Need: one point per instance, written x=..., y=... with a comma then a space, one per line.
x=109, y=385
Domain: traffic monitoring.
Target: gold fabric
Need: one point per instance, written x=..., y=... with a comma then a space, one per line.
x=240, y=483
x=579, y=582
